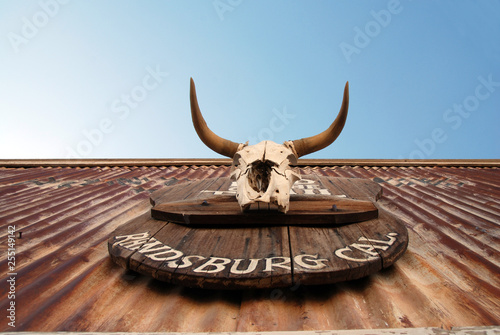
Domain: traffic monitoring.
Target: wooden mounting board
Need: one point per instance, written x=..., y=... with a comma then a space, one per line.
x=257, y=256
x=224, y=211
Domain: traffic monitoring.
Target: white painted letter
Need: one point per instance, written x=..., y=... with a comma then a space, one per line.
x=185, y=262
x=218, y=262
x=317, y=263
x=270, y=264
x=251, y=267
x=340, y=253
x=132, y=242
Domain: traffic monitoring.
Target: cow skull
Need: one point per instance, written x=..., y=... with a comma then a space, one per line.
x=264, y=172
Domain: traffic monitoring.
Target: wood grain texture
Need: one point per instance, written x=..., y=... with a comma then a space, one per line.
x=225, y=210
x=218, y=247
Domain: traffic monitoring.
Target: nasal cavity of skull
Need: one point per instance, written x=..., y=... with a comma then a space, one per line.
x=260, y=175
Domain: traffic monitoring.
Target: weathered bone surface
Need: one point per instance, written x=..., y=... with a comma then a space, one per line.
x=264, y=172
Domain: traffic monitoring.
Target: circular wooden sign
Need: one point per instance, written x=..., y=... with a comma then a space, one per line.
x=197, y=236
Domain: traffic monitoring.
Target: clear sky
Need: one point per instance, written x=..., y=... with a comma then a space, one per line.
x=110, y=79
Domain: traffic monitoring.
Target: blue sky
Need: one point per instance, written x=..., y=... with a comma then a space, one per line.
x=110, y=79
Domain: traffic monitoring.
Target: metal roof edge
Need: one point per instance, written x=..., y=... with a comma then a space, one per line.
x=402, y=162
x=15, y=163
x=486, y=330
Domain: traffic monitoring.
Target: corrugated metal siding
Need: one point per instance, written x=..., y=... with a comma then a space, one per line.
x=65, y=280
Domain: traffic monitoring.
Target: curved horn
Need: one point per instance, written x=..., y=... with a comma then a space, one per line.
x=211, y=140
x=311, y=144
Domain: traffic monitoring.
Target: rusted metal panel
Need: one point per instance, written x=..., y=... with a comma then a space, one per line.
x=19, y=163
x=65, y=281
x=401, y=331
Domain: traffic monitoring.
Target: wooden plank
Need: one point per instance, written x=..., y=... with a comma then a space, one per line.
x=127, y=239
x=218, y=258
x=361, y=263
x=225, y=210
x=373, y=190
x=156, y=196
x=161, y=248
x=182, y=191
x=351, y=252
x=309, y=185
x=354, y=188
x=388, y=236
x=335, y=246
x=314, y=263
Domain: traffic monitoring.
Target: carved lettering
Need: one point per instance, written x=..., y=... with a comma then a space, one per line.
x=185, y=262
x=156, y=257
x=217, y=264
x=270, y=263
x=308, y=186
x=341, y=254
x=310, y=262
x=363, y=250
x=391, y=236
x=366, y=249
x=251, y=267
x=303, y=186
x=153, y=246
x=132, y=242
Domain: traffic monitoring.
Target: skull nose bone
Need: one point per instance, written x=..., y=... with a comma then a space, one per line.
x=259, y=176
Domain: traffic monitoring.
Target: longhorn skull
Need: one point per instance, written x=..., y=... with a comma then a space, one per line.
x=264, y=172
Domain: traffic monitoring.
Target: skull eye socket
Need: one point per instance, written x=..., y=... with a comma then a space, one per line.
x=259, y=175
